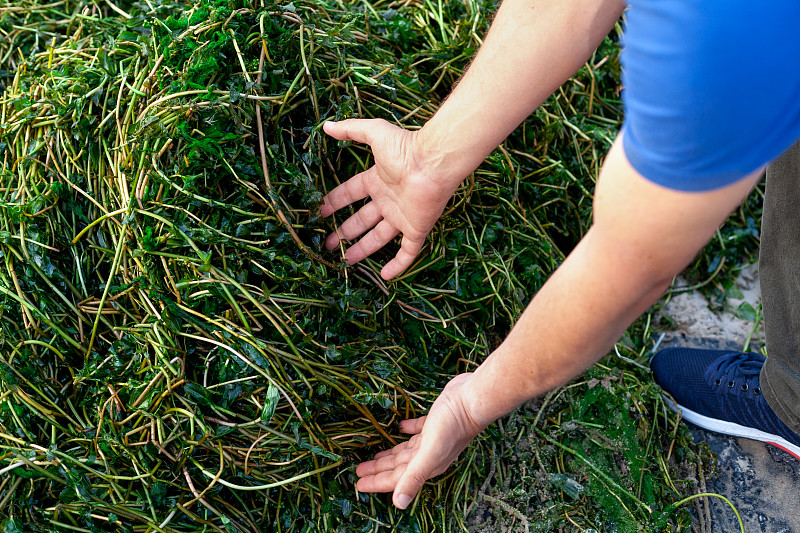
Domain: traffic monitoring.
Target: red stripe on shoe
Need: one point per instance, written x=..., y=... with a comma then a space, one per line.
x=784, y=449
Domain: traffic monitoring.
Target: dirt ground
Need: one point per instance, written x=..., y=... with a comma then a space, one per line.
x=763, y=482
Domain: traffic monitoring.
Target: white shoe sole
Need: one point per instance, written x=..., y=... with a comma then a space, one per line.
x=731, y=428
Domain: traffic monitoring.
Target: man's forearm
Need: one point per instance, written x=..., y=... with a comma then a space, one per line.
x=532, y=47
x=642, y=236
x=571, y=323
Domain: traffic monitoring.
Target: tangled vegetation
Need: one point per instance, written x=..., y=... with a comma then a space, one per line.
x=179, y=354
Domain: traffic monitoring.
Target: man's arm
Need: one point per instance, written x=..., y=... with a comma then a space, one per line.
x=531, y=49
x=643, y=234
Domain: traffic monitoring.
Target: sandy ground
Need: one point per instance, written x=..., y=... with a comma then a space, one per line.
x=761, y=481
x=693, y=319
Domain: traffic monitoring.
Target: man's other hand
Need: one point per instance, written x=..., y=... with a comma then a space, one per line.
x=437, y=440
x=407, y=194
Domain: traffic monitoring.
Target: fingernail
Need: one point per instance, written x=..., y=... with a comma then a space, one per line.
x=402, y=501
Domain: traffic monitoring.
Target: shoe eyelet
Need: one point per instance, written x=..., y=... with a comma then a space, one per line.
x=757, y=390
x=745, y=387
x=718, y=382
x=731, y=384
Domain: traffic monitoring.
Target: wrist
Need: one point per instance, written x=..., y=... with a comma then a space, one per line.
x=499, y=385
x=445, y=155
x=488, y=399
x=462, y=387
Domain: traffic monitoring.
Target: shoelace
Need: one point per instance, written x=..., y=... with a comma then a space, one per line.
x=739, y=367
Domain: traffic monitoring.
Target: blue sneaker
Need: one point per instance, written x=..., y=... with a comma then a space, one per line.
x=719, y=391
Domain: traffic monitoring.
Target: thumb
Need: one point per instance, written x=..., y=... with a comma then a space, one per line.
x=409, y=484
x=354, y=129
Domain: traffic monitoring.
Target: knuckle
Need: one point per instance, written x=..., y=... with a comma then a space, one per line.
x=376, y=237
x=409, y=247
x=364, y=215
x=416, y=478
x=347, y=196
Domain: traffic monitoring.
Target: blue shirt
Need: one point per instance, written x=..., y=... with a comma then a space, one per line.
x=712, y=88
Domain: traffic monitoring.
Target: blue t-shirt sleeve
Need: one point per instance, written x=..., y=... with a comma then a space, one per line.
x=712, y=88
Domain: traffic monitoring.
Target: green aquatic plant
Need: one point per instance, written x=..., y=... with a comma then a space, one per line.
x=178, y=352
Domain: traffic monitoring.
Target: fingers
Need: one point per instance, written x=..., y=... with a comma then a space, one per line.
x=399, y=455
x=360, y=130
x=413, y=425
x=397, y=449
x=364, y=219
x=373, y=241
x=381, y=474
x=409, y=249
x=345, y=194
x=401, y=473
x=367, y=217
x=384, y=481
x=401, y=470
x=389, y=460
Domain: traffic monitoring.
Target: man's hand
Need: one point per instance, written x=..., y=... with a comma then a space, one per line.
x=532, y=48
x=407, y=194
x=437, y=440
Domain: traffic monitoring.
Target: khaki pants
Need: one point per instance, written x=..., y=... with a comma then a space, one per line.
x=780, y=287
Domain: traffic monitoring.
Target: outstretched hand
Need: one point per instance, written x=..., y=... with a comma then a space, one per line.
x=406, y=194
x=437, y=440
